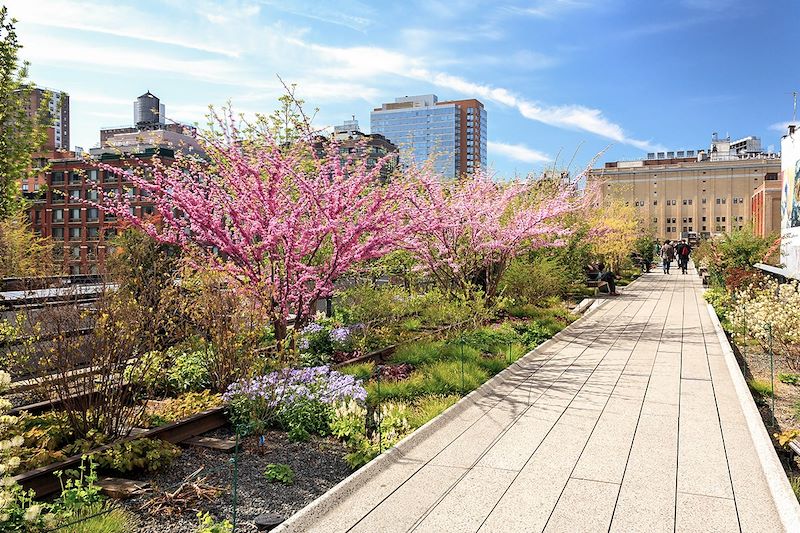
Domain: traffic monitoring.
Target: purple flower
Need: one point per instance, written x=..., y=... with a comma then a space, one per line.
x=340, y=334
x=311, y=329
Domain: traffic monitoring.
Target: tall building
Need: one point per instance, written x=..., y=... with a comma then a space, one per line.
x=149, y=114
x=697, y=192
x=58, y=107
x=453, y=133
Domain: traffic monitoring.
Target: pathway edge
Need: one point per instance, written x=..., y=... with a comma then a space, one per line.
x=303, y=519
x=785, y=501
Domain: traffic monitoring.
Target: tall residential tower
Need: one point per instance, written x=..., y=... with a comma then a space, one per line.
x=453, y=133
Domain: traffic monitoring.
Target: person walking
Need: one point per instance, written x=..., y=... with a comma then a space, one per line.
x=667, y=255
x=683, y=250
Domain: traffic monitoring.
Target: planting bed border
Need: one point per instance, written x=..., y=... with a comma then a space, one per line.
x=304, y=519
x=43, y=480
x=786, y=502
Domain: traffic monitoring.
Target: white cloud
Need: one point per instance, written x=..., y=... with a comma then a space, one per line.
x=519, y=152
x=111, y=19
x=781, y=127
x=548, y=8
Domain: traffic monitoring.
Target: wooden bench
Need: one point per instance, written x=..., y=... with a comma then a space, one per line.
x=598, y=285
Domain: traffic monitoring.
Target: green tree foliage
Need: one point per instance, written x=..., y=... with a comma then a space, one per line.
x=22, y=252
x=21, y=133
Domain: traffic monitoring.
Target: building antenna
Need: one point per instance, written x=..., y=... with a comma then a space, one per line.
x=794, y=106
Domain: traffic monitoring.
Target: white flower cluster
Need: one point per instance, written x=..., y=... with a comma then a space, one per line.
x=770, y=312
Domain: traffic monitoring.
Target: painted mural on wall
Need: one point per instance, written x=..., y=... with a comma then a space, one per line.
x=790, y=201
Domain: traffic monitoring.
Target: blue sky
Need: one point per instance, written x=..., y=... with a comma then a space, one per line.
x=559, y=78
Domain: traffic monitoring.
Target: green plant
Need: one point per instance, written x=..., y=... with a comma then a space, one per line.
x=209, y=525
x=760, y=387
x=362, y=371
x=418, y=353
x=720, y=300
x=451, y=377
x=534, y=333
x=279, y=473
x=529, y=281
x=139, y=454
x=429, y=407
x=789, y=379
x=184, y=406
x=390, y=424
x=785, y=437
x=100, y=517
x=794, y=481
x=189, y=371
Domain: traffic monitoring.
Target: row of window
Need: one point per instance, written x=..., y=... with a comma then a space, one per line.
x=689, y=201
x=76, y=234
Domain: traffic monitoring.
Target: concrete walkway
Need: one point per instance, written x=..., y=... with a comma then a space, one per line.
x=631, y=420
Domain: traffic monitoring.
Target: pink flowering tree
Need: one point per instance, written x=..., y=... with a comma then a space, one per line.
x=468, y=230
x=283, y=220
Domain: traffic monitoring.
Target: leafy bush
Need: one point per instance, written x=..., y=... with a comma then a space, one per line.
x=789, y=379
x=189, y=371
x=299, y=400
x=390, y=424
x=771, y=314
x=489, y=339
x=418, y=353
x=427, y=408
x=529, y=281
x=140, y=454
x=720, y=300
x=279, y=473
x=184, y=406
x=362, y=371
x=209, y=525
x=533, y=334
x=760, y=387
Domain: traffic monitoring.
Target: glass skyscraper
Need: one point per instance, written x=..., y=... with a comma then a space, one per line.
x=452, y=133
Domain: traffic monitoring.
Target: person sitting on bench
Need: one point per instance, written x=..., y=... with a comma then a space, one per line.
x=598, y=273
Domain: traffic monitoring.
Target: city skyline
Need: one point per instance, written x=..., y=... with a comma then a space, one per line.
x=559, y=78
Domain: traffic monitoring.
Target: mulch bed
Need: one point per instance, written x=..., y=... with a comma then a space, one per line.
x=318, y=465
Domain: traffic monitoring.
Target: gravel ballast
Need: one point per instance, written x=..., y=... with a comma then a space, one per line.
x=318, y=465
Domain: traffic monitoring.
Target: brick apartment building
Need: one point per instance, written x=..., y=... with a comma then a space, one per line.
x=82, y=233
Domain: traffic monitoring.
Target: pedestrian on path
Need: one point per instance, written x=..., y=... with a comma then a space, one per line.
x=667, y=255
x=683, y=250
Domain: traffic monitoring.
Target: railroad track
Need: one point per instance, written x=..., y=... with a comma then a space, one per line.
x=44, y=482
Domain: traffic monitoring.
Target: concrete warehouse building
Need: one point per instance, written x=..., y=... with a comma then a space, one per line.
x=698, y=193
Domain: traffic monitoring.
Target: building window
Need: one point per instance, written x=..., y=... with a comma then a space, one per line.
x=148, y=210
x=57, y=197
x=74, y=178
x=690, y=220
x=58, y=178
x=655, y=220
x=58, y=234
x=75, y=214
x=704, y=228
x=58, y=215
x=75, y=252
x=74, y=234
x=704, y=219
x=655, y=202
x=91, y=194
x=92, y=175
x=74, y=270
x=74, y=195
x=92, y=214
x=684, y=220
x=685, y=202
x=718, y=218
x=93, y=233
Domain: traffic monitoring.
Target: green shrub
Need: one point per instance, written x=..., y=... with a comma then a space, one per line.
x=184, y=406
x=140, y=454
x=529, y=281
x=492, y=339
x=720, y=300
x=418, y=353
x=392, y=425
x=789, y=379
x=794, y=481
x=446, y=377
x=279, y=473
x=427, y=408
x=207, y=524
x=189, y=371
x=100, y=517
x=760, y=387
x=533, y=334
x=404, y=389
x=304, y=417
x=362, y=371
